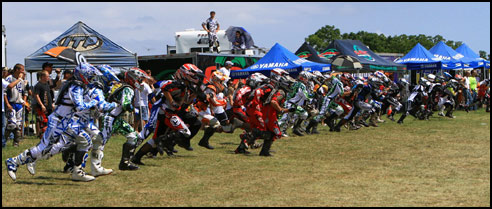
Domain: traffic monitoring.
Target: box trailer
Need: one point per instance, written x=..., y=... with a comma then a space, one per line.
x=163, y=66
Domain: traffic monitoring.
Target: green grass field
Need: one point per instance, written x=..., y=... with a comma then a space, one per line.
x=440, y=162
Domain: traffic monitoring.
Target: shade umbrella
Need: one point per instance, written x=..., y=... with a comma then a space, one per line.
x=231, y=35
x=66, y=54
x=346, y=62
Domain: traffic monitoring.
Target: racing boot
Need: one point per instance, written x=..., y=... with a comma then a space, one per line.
x=31, y=167
x=391, y=116
x=78, y=174
x=206, y=136
x=140, y=153
x=314, y=129
x=13, y=163
x=402, y=117
x=309, y=127
x=373, y=120
x=125, y=163
x=330, y=121
x=378, y=119
x=241, y=149
x=296, y=128
x=340, y=124
x=97, y=169
x=265, y=150
x=17, y=137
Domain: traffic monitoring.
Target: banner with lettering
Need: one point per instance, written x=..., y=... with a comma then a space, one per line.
x=370, y=61
x=280, y=57
x=96, y=48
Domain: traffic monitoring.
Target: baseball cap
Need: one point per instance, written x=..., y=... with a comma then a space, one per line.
x=46, y=64
x=229, y=63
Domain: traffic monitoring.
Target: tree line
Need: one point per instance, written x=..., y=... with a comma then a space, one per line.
x=379, y=42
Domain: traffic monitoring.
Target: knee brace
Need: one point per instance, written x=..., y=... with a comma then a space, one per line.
x=83, y=141
x=131, y=138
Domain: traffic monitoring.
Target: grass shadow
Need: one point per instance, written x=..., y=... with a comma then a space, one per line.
x=228, y=143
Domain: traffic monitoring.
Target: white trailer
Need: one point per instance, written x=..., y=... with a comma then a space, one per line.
x=192, y=40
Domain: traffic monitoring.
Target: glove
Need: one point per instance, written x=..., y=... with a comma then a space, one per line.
x=292, y=109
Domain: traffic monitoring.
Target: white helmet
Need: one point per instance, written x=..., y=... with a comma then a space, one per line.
x=256, y=79
x=280, y=78
x=431, y=77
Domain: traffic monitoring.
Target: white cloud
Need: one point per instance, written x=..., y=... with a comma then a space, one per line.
x=50, y=36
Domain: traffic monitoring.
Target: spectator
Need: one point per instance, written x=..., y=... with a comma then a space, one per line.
x=5, y=85
x=239, y=43
x=473, y=89
x=149, y=72
x=67, y=74
x=28, y=102
x=211, y=25
x=16, y=101
x=44, y=103
x=467, y=91
x=141, y=103
x=48, y=67
x=226, y=70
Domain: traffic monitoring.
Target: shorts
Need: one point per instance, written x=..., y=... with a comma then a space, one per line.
x=145, y=113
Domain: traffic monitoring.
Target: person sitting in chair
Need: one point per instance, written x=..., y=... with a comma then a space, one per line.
x=239, y=43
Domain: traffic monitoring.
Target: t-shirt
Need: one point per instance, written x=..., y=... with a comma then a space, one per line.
x=467, y=83
x=473, y=83
x=144, y=94
x=211, y=24
x=44, y=92
x=4, y=92
x=16, y=94
x=226, y=72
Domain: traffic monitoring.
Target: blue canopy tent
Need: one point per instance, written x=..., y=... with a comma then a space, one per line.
x=280, y=57
x=419, y=58
x=455, y=60
x=477, y=61
x=96, y=48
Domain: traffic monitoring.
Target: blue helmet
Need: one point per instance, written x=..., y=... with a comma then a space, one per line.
x=108, y=74
x=447, y=76
x=85, y=72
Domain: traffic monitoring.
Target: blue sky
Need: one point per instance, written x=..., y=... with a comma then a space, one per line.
x=146, y=28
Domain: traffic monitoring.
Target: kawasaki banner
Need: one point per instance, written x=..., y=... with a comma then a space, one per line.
x=370, y=61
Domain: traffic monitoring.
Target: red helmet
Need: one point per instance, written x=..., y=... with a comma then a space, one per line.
x=188, y=72
x=140, y=73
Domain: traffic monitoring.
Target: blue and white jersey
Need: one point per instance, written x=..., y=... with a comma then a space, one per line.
x=211, y=24
x=93, y=95
x=15, y=95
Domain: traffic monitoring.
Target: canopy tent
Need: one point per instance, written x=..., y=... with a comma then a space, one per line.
x=96, y=48
x=280, y=57
x=370, y=61
x=419, y=58
x=454, y=59
x=306, y=51
x=476, y=62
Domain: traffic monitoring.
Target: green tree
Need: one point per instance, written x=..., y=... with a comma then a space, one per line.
x=323, y=37
x=379, y=43
x=483, y=54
